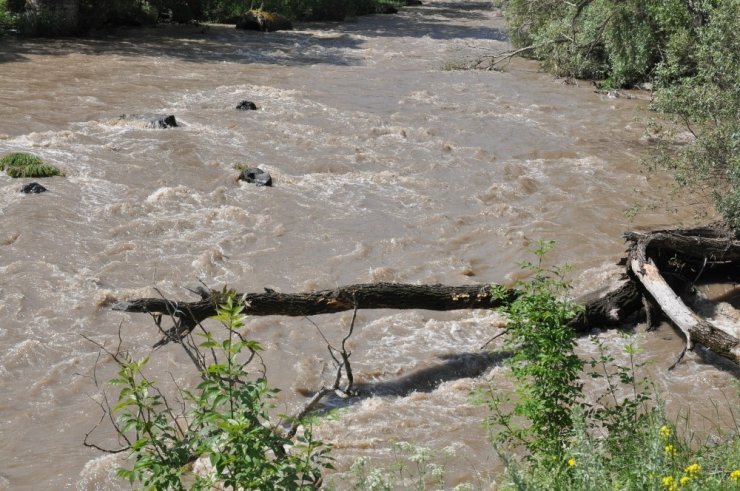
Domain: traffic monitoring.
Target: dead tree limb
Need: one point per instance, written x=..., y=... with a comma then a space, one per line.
x=187, y=315
x=651, y=256
x=705, y=245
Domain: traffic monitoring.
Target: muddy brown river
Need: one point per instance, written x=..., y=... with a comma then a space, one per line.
x=387, y=166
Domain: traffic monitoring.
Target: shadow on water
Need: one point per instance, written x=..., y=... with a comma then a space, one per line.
x=320, y=43
x=453, y=367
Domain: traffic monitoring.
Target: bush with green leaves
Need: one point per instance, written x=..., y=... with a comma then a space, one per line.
x=621, y=41
x=542, y=363
x=698, y=87
x=22, y=164
x=621, y=440
x=325, y=9
x=7, y=18
x=227, y=424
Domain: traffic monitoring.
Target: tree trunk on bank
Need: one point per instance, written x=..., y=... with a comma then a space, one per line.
x=682, y=254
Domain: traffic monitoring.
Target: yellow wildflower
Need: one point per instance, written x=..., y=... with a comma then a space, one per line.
x=692, y=470
x=684, y=480
x=735, y=475
x=668, y=481
x=665, y=431
x=670, y=450
x=571, y=462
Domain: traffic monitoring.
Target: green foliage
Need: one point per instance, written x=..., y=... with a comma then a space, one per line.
x=689, y=49
x=7, y=19
x=227, y=422
x=43, y=23
x=27, y=165
x=323, y=9
x=96, y=14
x=621, y=41
x=621, y=440
x=700, y=89
x=543, y=363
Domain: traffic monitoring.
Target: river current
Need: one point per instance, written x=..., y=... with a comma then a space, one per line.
x=388, y=165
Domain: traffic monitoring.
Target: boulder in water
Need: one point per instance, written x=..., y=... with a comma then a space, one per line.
x=162, y=122
x=155, y=121
x=256, y=176
x=33, y=188
x=246, y=106
x=259, y=20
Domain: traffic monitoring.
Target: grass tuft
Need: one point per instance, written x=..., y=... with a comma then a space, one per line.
x=20, y=164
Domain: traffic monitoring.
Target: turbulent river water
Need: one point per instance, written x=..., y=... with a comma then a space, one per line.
x=387, y=166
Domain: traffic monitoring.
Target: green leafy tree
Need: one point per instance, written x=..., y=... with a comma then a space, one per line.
x=700, y=87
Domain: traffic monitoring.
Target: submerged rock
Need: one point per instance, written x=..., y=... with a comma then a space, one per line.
x=155, y=121
x=246, y=106
x=259, y=20
x=256, y=176
x=33, y=188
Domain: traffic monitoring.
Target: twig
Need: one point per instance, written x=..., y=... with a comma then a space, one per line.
x=504, y=56
x=680, y=357
x=342, y=366
x=346, y=354
x=493, y=339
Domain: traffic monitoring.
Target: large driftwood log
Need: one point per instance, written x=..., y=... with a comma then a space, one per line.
x=704, y=245
x=713, y=246
x=361, y=296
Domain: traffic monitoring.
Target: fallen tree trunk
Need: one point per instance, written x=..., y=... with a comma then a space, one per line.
x=706, y=245
x=681, y=251
x=361, y=296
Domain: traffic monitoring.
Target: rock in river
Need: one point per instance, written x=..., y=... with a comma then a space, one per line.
x=257, y=176
x=33, y=188
x=247, y=106
x=156, y=121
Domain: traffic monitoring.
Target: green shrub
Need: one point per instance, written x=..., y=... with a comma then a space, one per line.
x=323, y=9
x=226, y=423
x=8, y=18
x=621, y=440
x=543, y=363
x=690, y=50
x=27, y=165
x=698, y=87
x=621, y=41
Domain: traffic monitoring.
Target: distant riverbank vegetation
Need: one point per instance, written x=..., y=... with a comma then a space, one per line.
x=688, y=50
x=52, y=18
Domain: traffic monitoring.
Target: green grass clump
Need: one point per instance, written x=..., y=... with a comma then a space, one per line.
x=22, y=164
